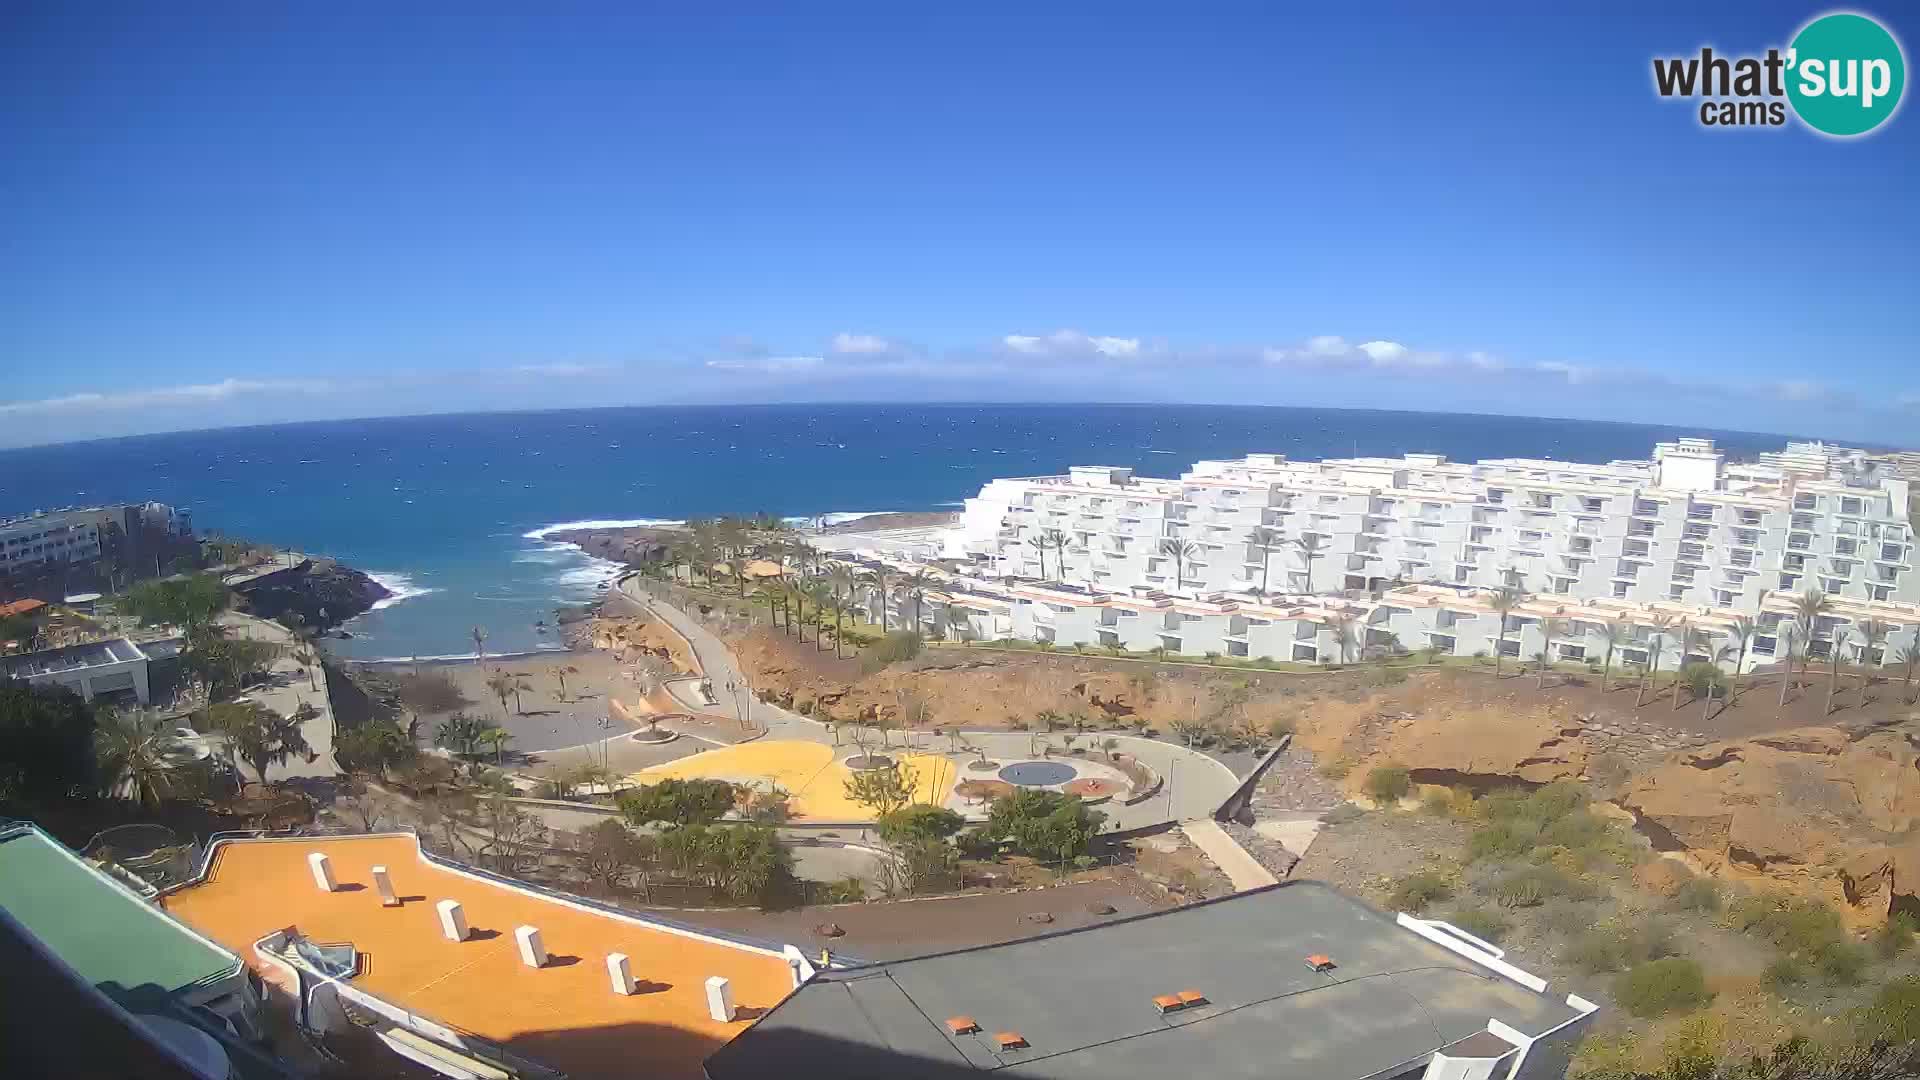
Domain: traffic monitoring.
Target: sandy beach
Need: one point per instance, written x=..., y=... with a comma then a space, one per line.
x=542, y=718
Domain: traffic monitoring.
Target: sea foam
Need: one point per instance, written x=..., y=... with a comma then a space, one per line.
x=400, y=585
x=544, y=531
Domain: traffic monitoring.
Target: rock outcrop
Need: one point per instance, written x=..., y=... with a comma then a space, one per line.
x=324, y=593
x=1813, y=810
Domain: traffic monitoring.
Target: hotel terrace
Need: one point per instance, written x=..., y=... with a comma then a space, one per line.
x=474, y=975
x=1410, y=551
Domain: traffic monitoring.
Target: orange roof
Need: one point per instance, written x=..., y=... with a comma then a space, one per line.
x=563, y=1015
x=20, y=607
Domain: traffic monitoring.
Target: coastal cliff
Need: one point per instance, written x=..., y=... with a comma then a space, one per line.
x=632, y=546
x=324, y=592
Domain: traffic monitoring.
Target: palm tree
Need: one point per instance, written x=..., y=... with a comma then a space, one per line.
x=1908, y=657
x=1502, y=602
x=140, y=758
x=560, y=673
x=520, y=686
x=877, y=578
x=497, y=739
x=1265, y=540
x=838, y=605
x=1038, y=542
x=915, y=589
x=1549, y=629
x=1680, y=662
x=479, y=643
x=1873, y=633
x=1740, y=637
x=1179, y=551
x=260, y=736
x=1807, y=611
x=818, y=591
x=1612, y=633
x=503, y=686
x=1840, y=636
x=1342, y=627
x=1791, y=636
x=1655, y=643
x=963, y=625
x=1059, y=541
x=1309, y=545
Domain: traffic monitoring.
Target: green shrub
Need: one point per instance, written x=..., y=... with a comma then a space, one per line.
x=1894, y=1015
x=1506, y=803
x=1784, y=972
x=1895, y=936
x=1842, y=962
x=1594, y=952
x=1415, y=891
x=1438, y=802
x=1388, y=784
x=1575, y=830
x=1648, y=939
x=1659, y=987
x=1509, y=838
x=1698, y=894
x=1535, y=885
x=896, y=645
x=1557, y=800
x=1481, y=923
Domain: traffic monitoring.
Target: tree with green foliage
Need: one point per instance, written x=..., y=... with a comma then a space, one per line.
x=463, y=733
x=743, y=862
x=46, y=743
x=187, y=602
x=225, y=663
x=678, y=802
x=141, y=759
x=373, y=746
x=1503, y=603
x=610, y=851
x=1658, y=987
x=883, y=790
x=503, y=686
x=1044, y=824
x=258, y=735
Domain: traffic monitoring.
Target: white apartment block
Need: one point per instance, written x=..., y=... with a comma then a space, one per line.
x=62, y=536
x=1685, y=527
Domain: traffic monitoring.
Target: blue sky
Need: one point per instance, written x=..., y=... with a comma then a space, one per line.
x=242, y=216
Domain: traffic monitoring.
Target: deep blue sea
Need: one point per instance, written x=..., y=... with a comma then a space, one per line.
x=448, y=510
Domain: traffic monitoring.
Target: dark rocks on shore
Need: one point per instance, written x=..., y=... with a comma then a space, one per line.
x=634, y=547
x=322, y=591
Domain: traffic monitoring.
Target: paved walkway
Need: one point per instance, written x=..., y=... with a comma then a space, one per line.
x=293, y=684
x=1232, y=859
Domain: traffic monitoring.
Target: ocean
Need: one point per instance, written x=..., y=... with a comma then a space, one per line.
x=450, y=512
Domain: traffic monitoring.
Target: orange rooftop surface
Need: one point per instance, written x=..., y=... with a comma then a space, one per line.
x=563, y=1015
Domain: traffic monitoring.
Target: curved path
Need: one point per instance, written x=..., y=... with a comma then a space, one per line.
x=1193, y=783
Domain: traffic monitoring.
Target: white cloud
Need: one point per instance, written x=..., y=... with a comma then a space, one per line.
x=1074, y=343
x=771, y=365
x=1328, y=345
x=565, y=370
x=164, y=396
x=1573, y=373
x=1485, y=361
x=860, y=343
x=1383, y=352
x=1799, y=390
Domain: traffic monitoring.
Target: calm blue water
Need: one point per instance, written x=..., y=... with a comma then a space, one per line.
x=441, y=507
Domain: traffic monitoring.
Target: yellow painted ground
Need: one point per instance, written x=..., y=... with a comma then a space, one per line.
x=808, y=770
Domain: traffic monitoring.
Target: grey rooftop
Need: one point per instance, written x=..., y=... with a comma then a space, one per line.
x=1083, y=1001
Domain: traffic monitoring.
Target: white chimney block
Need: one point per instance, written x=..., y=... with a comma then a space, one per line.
x=720, y=999
x=384, y=884
x=322, y=868
x=619, y=974
x=533, y=952
x=453, y=920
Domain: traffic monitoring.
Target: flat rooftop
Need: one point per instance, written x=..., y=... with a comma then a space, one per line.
x=562, y=1015
x=71, y=658
x=115, y=940
x=1083, y=1001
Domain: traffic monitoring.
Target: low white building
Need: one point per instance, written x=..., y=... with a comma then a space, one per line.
x=91, y=670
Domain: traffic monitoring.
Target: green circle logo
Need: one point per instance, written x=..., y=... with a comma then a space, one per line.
x=1845, y=74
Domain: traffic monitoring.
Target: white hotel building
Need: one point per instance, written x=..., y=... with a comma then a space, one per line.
x=1409, y=548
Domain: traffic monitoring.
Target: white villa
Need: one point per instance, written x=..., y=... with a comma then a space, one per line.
x=1326, y=561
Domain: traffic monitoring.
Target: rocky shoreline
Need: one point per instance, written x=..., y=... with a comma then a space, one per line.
x=324, y=593
x=910, y=519
x=630, y=546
